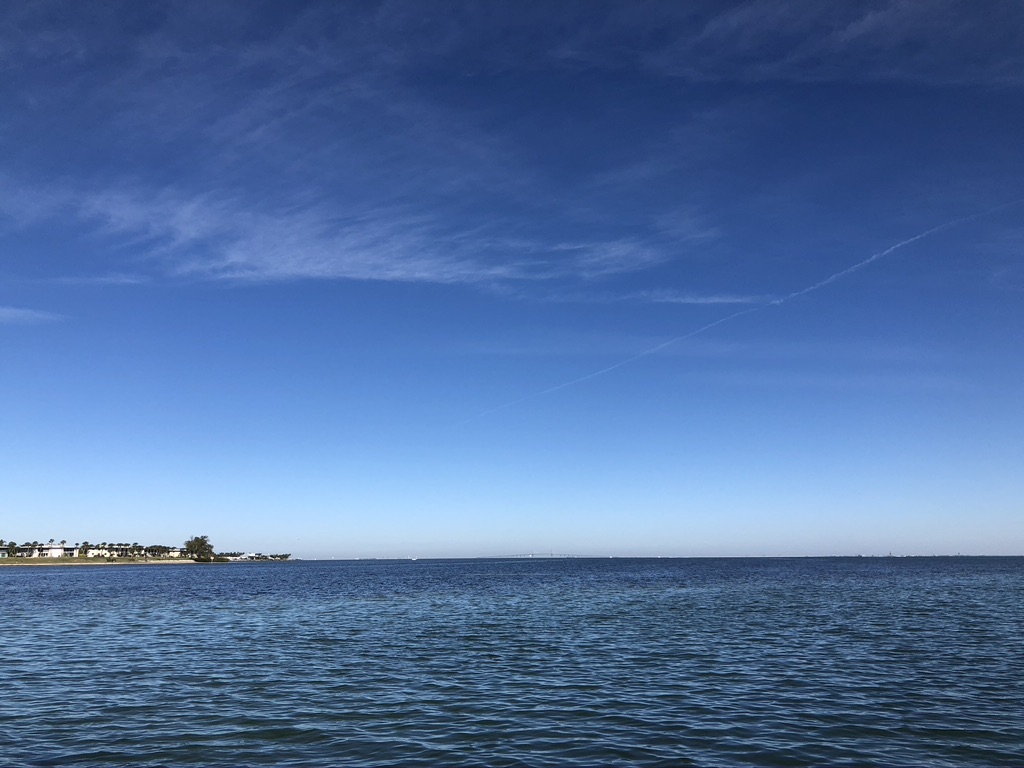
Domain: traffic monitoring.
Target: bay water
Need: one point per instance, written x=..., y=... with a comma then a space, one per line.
x=560, y=662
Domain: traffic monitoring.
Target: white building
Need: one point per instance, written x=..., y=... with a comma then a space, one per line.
x=48, y=550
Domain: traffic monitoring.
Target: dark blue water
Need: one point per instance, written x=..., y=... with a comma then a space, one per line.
x=552, y=662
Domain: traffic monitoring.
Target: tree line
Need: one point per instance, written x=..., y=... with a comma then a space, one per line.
x=198, y=548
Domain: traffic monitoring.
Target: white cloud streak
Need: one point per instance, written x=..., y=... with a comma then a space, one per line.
x=673, y=297
x=212, y=238
x=381, y=191
x=291, y=135
x=944, y=42
x=21, y=316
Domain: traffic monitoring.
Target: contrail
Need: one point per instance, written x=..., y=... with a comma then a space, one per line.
x=775, y=302
x=890, y=249
x=621, y=363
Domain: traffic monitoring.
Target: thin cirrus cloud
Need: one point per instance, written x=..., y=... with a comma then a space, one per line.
x=118, y=278
x=385, y=187
x=22, y=316
x=206, y=237
x=673, y=297
x=746, y=40
x=941, y=42
x=311, y=153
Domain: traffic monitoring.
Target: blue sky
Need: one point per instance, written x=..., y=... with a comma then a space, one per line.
x=336, y=279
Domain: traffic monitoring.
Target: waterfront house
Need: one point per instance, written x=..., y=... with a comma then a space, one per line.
x=47, y=550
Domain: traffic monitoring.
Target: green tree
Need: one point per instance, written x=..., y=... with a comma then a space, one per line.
x=199, y=548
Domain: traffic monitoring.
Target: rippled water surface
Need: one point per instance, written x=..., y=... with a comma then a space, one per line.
x=518, y=662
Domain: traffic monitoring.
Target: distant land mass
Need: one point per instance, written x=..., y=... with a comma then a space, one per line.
x=195, y=549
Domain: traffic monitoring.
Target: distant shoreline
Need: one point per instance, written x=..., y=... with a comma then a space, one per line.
x=30, y=561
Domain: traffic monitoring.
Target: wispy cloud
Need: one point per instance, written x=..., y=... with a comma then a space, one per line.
x=111, y=279
x=21, y=316
x=208, y=237
x=940, y=42
x=673, y=297
x=303, y=155
x=315, y=153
